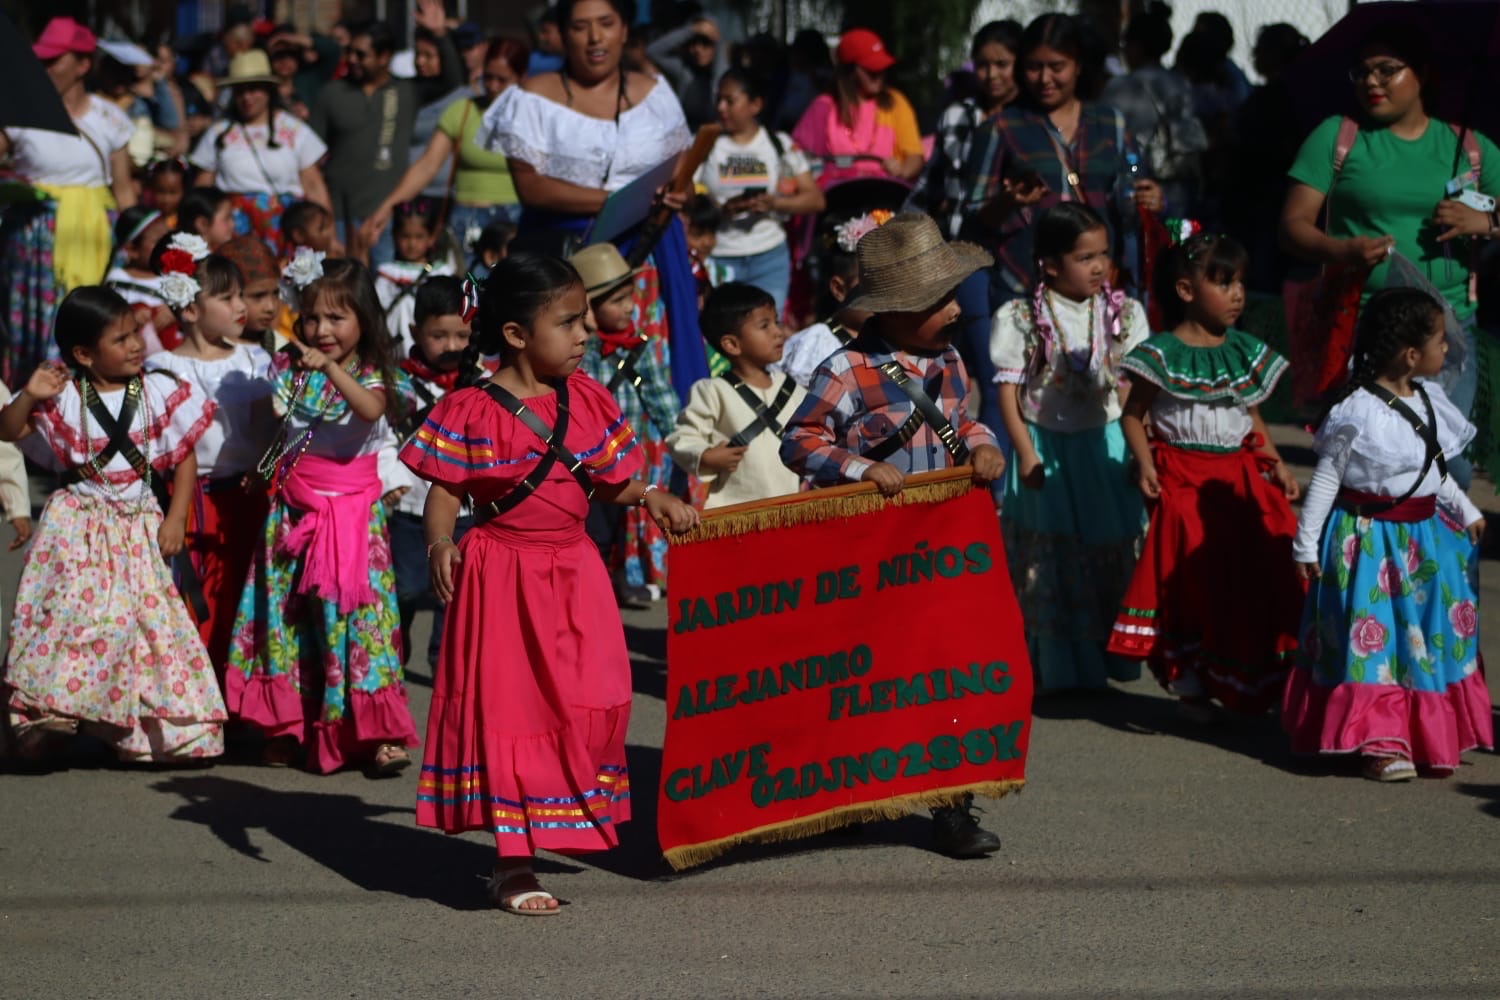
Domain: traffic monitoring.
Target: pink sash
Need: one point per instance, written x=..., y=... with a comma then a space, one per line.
x=333, y=534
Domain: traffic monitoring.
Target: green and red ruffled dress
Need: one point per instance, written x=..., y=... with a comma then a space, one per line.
x=1215, y=602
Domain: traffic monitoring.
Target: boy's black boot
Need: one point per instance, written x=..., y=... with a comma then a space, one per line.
x=956, y=832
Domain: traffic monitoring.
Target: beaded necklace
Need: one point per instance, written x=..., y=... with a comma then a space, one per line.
x=283, y=455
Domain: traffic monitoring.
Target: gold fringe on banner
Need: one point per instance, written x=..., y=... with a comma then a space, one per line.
x=690, y=855
x=836, y=502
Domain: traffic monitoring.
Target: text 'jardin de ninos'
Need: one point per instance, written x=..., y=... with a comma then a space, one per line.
x=923, y=565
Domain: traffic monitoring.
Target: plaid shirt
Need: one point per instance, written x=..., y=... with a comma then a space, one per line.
x=943, y=189
x=653, y=400
x=852, y=406
x=1020, y=141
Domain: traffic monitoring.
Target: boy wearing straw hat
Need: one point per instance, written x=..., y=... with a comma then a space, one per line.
x=893, y=403
x=633, y=364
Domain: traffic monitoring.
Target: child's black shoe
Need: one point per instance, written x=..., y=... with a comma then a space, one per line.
x=956, y=832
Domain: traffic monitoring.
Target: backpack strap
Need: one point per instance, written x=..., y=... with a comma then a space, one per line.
x=1343, y=142
x=766, y=418
x=1470, y=145
x=552, y=451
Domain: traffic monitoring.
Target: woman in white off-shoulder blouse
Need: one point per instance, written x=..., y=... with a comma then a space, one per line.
x=575, y=136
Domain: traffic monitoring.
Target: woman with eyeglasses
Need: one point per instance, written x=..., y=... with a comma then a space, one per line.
x=1389, y=194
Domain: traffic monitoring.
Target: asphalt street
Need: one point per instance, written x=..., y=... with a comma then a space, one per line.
x=1146, y=858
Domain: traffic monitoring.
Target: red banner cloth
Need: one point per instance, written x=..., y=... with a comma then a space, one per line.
x=834, y=657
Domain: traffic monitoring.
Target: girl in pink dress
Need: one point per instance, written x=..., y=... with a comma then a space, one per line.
x=531, y=699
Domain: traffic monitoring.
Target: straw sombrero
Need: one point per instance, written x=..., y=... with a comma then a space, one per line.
x=907, y=266
x=249, y=67
x=602, y=268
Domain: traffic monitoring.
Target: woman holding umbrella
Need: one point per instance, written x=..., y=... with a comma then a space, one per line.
x=63, y=241
x=1383, y=179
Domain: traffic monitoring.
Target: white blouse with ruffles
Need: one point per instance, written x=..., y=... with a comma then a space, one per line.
x=568, y=145
x=1057, y=395
x=170, y=418
x=1365, y=445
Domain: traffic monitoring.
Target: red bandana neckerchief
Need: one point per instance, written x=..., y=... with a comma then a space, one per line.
x=417, y=368
x=611, y=341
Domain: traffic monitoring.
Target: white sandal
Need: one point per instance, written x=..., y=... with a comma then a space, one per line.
x=494, y=888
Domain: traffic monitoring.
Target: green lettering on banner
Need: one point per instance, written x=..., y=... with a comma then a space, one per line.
x=838, y=585
x=675, y=791
x=733, y=606
x=977, y=558
x=912, y=692
x=758, y=753
x=997, y=678
x=943, y=752
x=966, y=682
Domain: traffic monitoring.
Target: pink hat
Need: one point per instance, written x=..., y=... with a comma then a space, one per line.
x=63, y=34
x=863, y=48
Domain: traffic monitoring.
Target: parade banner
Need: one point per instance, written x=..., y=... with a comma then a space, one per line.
x=837, y=657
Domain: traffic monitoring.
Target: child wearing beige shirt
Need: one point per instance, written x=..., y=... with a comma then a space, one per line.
x=729, y=434
x=15, y=494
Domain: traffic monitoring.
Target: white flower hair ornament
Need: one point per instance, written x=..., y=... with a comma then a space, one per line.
x=305, y=267
x=196, y=246
x=178, y=290
x=179, y=268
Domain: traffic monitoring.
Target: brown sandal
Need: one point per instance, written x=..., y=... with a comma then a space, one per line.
x=390, y=760
x=1389, y=768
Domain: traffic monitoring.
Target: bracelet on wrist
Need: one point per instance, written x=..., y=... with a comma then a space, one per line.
x=649, y=488
x=435, y=544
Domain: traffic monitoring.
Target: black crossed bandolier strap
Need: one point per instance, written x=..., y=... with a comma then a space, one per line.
x=117, y=433
x=552, y=452
x=410, y=288
x=418, y=417
x=766, y=419
x=924, y=411
x=625, y=368
x=1427, y=432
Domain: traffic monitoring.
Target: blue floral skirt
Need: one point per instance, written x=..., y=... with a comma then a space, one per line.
x=1389, y=661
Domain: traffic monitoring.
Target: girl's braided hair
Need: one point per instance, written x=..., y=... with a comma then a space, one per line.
x=1393, y=320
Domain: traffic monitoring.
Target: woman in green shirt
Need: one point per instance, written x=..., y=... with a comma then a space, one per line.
x=482, y=186
x=1389, y=195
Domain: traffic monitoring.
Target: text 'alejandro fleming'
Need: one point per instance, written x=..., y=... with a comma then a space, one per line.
x=834, y=670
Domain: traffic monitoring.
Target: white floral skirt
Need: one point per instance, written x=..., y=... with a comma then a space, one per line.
x=100, y=635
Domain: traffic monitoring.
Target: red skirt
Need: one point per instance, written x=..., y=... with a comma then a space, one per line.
x=1215, y=603
x=224, y=527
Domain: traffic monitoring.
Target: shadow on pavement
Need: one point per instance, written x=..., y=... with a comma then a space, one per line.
x=648, y=660
x=344, y=834
x=1490, y=794
x=1259, y=737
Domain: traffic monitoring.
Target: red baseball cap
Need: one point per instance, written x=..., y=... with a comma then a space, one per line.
x=63, y=34
x=863, y=48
